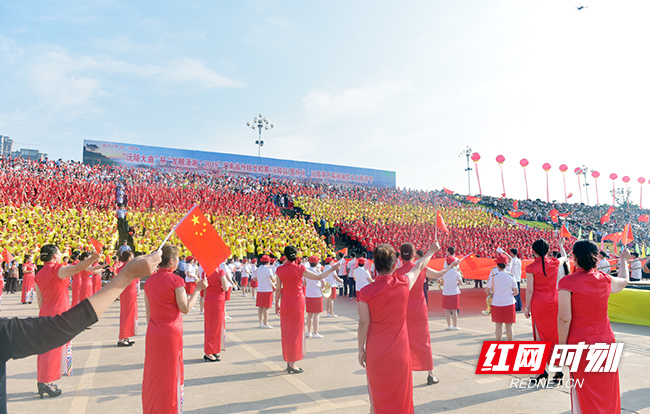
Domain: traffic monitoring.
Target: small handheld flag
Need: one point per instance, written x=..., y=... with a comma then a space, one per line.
x=198, y=235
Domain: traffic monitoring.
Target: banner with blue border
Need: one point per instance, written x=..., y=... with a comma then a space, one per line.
x=131, y=155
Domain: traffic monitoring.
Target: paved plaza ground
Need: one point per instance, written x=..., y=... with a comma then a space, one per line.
x=250, y=377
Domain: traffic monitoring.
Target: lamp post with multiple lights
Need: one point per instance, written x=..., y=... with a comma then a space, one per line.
x=467, y=152
x=260, y=123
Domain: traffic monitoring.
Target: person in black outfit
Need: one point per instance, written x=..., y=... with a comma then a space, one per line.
x=20, y=338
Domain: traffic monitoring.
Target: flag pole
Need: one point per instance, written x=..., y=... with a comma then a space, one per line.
x=176, y=226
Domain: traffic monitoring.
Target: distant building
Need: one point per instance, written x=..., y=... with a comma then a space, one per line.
x=31, y=154
x=6, y=146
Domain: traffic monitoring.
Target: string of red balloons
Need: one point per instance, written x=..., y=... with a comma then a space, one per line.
x=563, y=168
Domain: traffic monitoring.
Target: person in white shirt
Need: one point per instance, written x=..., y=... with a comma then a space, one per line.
x=603, y=265
x=361, y=276
x=515, y=269
x=343, y=275
x=635, y=268
x=352, y=264
x=451, y=282
x=503, y=288
x=191, y=276
x=229, y=276
x=313, y=300
x=253, y=281
x=245, y=277
x=332, y=279
x=265, y=278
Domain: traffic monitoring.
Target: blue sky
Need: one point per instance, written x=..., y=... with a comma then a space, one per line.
x=397, y=86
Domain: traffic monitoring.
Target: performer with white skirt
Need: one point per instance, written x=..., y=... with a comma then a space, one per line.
x=333, y=280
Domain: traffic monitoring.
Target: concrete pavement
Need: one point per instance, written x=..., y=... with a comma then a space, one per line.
x=251, y=378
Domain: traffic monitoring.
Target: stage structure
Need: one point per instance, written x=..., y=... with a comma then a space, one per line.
x=131, y=155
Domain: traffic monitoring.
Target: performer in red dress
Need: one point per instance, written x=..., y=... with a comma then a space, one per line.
x=290, y=305
x=383, y=334
x=128, y=305
x=76, y=279
x=583, y=299
x=52, y=283
x=417, y=317
x=28, y=292
x=214, y=315
x=86, y=285
x=541, y=295
x=165, y=300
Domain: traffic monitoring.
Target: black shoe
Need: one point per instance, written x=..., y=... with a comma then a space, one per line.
x=295, y=370
x=52, y=390
x=540, y=377
x=125, y=343
x=206, y=359
x=557, y=378
x=432, y=380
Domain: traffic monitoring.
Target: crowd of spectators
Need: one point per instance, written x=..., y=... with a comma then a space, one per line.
x=574, y=216
x=67, y=202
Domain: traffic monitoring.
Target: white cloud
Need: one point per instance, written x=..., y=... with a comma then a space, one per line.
x=367, y=100
x=191, y=70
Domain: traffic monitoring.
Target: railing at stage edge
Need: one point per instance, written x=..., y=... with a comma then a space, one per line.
x=201, y=161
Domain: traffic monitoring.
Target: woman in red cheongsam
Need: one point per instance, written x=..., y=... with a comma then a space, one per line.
x=417, y=317
x=541, y=296
x=52, y=283
x=28, y=292
x=583, y=300
x=165, y=300
x=383, y=334
x=290, y=305
x=214, y=314
x=128, y=305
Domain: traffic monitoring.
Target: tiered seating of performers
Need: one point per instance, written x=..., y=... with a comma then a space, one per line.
x=66, y=202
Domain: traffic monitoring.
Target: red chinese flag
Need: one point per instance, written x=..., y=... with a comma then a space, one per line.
x=473, y=199
x=344, y=251
x=516, y=214
x=610, y=210
x=604, y=219
x=564, y=214
x=553, y=212
x=570, y=195
x=554, y=218
x=471, y=261
x=440, y=223
x=644, y=218
x=6, y=256
x=627, y=237
x=96, y=245
x=564, y=232
x=446, y=190
x=198, y=235
x=515, y=205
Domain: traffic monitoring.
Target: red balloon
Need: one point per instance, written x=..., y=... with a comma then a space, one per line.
x=500, y=159
x=563, y=168
x=578, y=170
x=476, y=157
x=626, y=179
x=546, y=166
x=613, y=176
x=595, y=174
x=641, y=180
x=523, y=162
